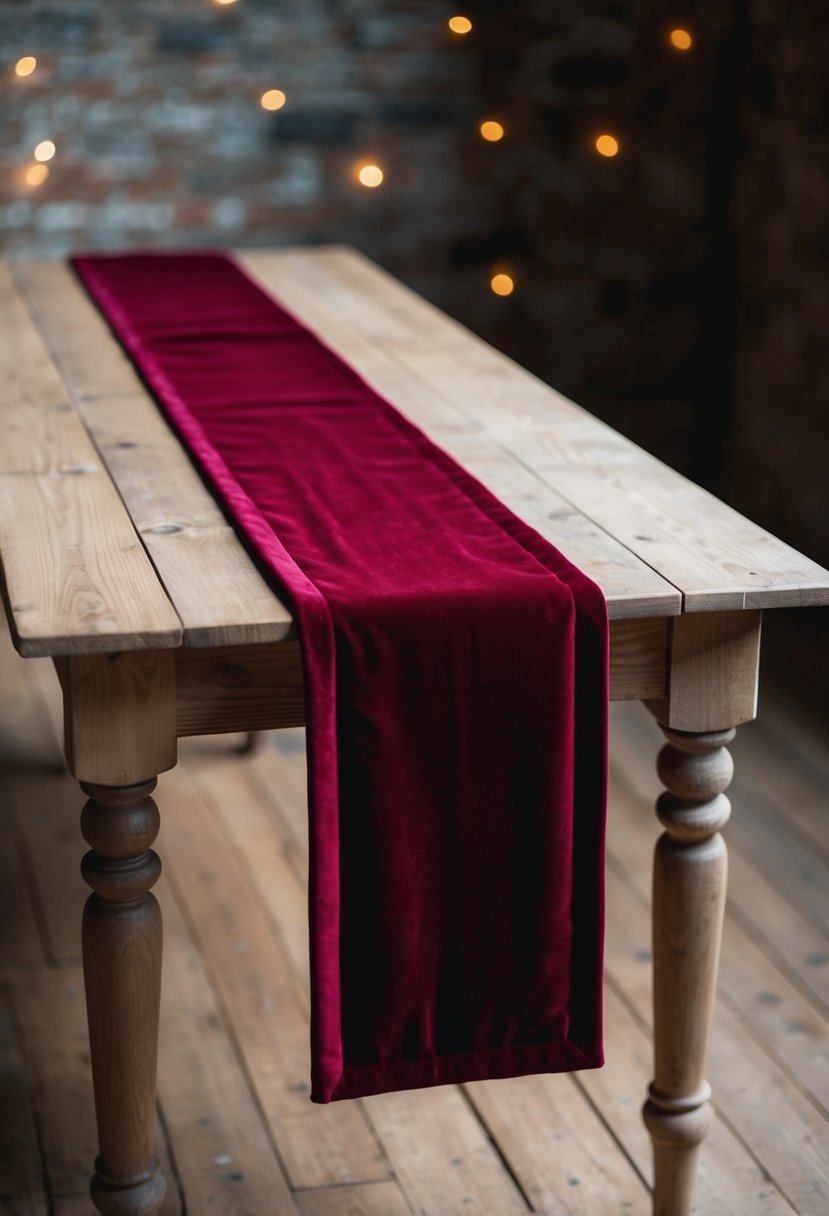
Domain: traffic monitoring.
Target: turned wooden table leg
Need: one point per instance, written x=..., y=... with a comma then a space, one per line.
x=689, y=886
x=120, y=730
x=122, y=972
x=713, y=662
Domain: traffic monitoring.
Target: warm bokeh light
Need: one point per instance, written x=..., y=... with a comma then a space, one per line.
x=607, y=145
x=274, y=99
x=223, y=2
x=492, y=131
x=25, y=66
x=45, y=150
x=369, y=175
x=36, y=174
x=460, y=25
x=502, y=284
x=681, y=40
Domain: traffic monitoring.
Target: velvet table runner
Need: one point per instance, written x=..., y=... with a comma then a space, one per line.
x=456, y=694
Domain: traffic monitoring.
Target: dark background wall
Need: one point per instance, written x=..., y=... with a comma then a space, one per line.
x=679, y=289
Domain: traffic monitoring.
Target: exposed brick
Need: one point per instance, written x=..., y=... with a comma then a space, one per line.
x=154, y=108
x=335, y=127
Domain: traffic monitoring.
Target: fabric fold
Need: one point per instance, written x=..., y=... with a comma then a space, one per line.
x=456, y=682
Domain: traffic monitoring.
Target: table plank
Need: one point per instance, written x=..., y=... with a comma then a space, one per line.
x=715, y=557
x=630, y=586
x=217, y=590
x=77, y=578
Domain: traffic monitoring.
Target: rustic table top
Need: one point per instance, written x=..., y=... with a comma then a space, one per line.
x=110, y=541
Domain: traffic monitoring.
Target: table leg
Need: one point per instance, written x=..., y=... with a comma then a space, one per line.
x=689, y=886
x=120, y=730
x=122, y=972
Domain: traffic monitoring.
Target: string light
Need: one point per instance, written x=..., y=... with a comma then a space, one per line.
x=369, y=176
x=36, y=174
x=492, y=131
x=45, y=150
x=502, y=284
x=607, y=145
x=25, y=66
x=274, y=99
x=460, y=25
x=681, y=40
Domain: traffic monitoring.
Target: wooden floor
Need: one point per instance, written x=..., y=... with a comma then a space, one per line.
x=240, y=1137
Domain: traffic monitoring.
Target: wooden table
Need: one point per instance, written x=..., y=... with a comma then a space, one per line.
x=119, y=564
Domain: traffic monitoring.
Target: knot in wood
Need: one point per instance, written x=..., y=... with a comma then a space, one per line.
x=120, y=882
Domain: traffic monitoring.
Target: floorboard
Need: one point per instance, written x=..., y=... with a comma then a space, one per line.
x=237, y=1132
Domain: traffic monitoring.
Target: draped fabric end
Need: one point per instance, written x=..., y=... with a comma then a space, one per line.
x=514, y=1061
x=456, y=678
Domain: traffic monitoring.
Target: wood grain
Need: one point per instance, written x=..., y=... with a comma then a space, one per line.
x=370, y=1199
x=119, y=715
x=41, y=809
x=217, y=590
x=762, y=1083
x=630, y=587
x=541, y=1123
x=320, y=1145
x=239, y=688
x=730, y=1182
x=20, y=1161
x=256, y=688
x=639, y=656
x=714, y=669
x=689, y=883
x=77, y=578
x=121, y=937
x=224, y=1159
x=764, y=891
x=468, y=1174
x=441, y=1154
x=50, y=1007
x=778, y=1124
x=712, y=555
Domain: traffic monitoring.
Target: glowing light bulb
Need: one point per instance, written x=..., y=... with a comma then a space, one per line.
x=681, y=40
x=36, y=174
x=25, y=66
x=274, y=99
x=45, y=150
x=369, y=176
x=502, y=284
x=492, y=131
x=607, y=145
x=224, y=2
x=460, y=25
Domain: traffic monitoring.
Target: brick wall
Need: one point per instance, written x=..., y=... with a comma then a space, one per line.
x=678, y=289
x=154, y=108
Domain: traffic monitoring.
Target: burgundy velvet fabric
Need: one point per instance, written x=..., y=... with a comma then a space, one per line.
x=456, y=688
